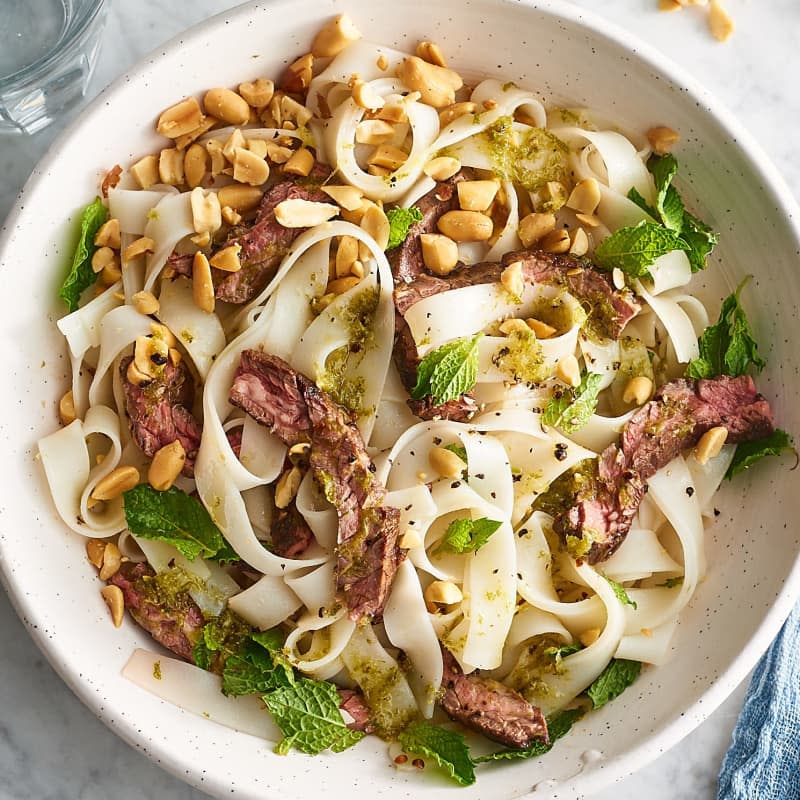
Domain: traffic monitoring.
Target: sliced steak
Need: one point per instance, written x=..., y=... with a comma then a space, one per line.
x=292, y=406
x=290, y=535
x=355, y=705
x=174, y=621
x=602, y=507
x=490, y=707
x=158, y=411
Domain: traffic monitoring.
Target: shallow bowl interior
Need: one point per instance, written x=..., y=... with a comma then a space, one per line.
x=752, y=548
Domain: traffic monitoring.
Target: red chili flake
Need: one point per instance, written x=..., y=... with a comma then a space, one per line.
x=401, y=759
x=418, y=763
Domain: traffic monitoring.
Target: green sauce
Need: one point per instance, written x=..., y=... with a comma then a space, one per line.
x=538, y=659
x=521, y=358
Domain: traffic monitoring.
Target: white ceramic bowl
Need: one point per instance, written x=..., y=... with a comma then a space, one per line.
x=754, y=571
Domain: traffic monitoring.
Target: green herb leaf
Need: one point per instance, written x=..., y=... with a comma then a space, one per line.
x=222, y=637
x=634, y=195
x=613, y=681
x=619, y=591
x=574, y=408
x=558, y=654
x=634, y=249
x=701, y=240
x=669, y=205
x=671, y=583
x=260, y=667
x=459, y=450
x=81, y=275
x=173, y=517
x=400, y=220
x=448, y=748
x=558, y=725
x=308, y=715
x=748, y=453
x=467, y=535
x=727, y=347
x=449, y=371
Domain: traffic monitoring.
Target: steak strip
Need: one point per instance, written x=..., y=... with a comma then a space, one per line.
x=158, y=411
x=295, y=410
x=176, y=624
x=603, y=508
x=490, y=707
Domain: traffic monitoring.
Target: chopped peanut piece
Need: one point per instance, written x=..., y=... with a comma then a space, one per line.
x=108, y=235
x=348, y=197
x=180, y=119
x=170, y=166
x=226, y=105
x=202, y=284
x=227, y=259
x=206, y=211
x=298, y=213
x=719, y=21
x=662, y=139
x=432, y=53
x=476, y=195
x=437, y=85
x=440, y=253
x=334, y=37
x=374, y=131
x=301, y=163
x=249, y=168
x=142, y=245
x=145, y=171
x=258, y=93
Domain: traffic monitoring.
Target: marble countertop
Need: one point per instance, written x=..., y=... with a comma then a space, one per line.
x=51, y=746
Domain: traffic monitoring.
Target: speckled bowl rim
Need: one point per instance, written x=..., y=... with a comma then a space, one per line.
x=618, y=767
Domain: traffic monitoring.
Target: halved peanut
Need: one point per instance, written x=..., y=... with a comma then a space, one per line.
x=166, y=465
x=557, y=241
x=150, y=354
x=145, y=171
x=466, y=226
x=240, y=198
x=257, y=93
x=206, y=211
x=227, y=106
x=292, y=110
x=202, y=284
x=66, y=408
x=102, y=257
x=278, y=154
x=258, y=147
x=249, y=168
x=112, y=558
x=638, y=390
x=448, y=114
x=719, y=21
x=235, y=141
x=437, y=85
x=348, y=197
x=346, y=255
x=585, y=197
x=439, y=253
x=334, y=36
x=122, y=479
x=111, y=274
x=512, y=279
x=287, y=486
x=170, y=166
x=442, y=168
x=393, y=112
x=432, y=53
x=145, y=303
x=535, y=226
x=207, y=123
x=568, y=370
x=299, y=74
x=114, y=599
x=388, y=156
x=710, y=444
x=476, y=195
x=514, y=325
x=376, y=224
x=94, y=551
x=301, y=163
x=446, y=462
x=140, y=246
x=662, y=139
x=366, y=97
x=342, y=285
x=230, y=216
x=180, y=118
x=195, y=163
x=374, y=131
x=227, y=259
x=554, y=195
x=381, y=172
x=135, y=376
x=580, y=243
x=108, y=235
x=299, y=213
x=216, y=153
x=541, y=329
x=443, y=593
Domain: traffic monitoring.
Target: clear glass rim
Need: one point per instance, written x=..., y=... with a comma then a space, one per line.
x=84, y=17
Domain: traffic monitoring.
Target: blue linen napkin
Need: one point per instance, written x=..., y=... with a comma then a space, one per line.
x=763, y=763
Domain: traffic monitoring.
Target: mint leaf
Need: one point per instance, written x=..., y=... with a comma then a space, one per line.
x=172, y=517
x=573, y=409
x=81, y=275
x=467, y=535
x=259, y=668
x=309, y=718
x=400, y=220
x=634, y=195
x=727, y=347
x=613, y=681
x=619, y=591
x=222, y=637
x=448, y=748
x=701, y=240
x=558, y=725
x=449, y=371
x=558, y=654
x=748, y=453
x=634, y=249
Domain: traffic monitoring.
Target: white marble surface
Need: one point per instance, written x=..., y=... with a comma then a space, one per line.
x=51, y=747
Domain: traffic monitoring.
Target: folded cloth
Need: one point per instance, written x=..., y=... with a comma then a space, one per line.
x=763, y=763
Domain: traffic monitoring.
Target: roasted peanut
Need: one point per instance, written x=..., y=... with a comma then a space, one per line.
x=719, y=21
x=662, y=139
x=299, y=74
x=206, y=211
x=346, y=255
x=512, y=279
x=66, y=408
x=115, y=483
x=442, y=168
x=366, y=97
x=115, y=601
x=112, y=558
x=541, y=329
x=710, y=444
x=585, y=197
x=448, y=114
x=444, y=593
x=301, y=163
x=638, y=390
x=146, y=303
x=94, y=551
x=249, y=168
x=348, y=197
x=216, y=153
x=374, y=131
x=388, y=156
x=556, y=241
x=108, y=235
x=202, y=284
x=580, y=243
x=376, y=224
x=235, y=141
x=227, y=259
x=446, y=462
x=476, y=195
x=568, y=370
x=195, y=164
x=466, y=226
x=535, y=226
x=589, y=637
x=179, y=119
x=207, y=123
x=240, y=198
x=166, y=465
x=439, y=252
x=287, y=486
x=298, y=213
x=437, y=85
x=410, y=539
x=334, y=36
x=145, y=171
x=257, y=93
x=428, y=51
x=618, y=278
x=342, y=285
x=140, y=246
x=514, y=325
x=102, y=257
x=227, y=106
